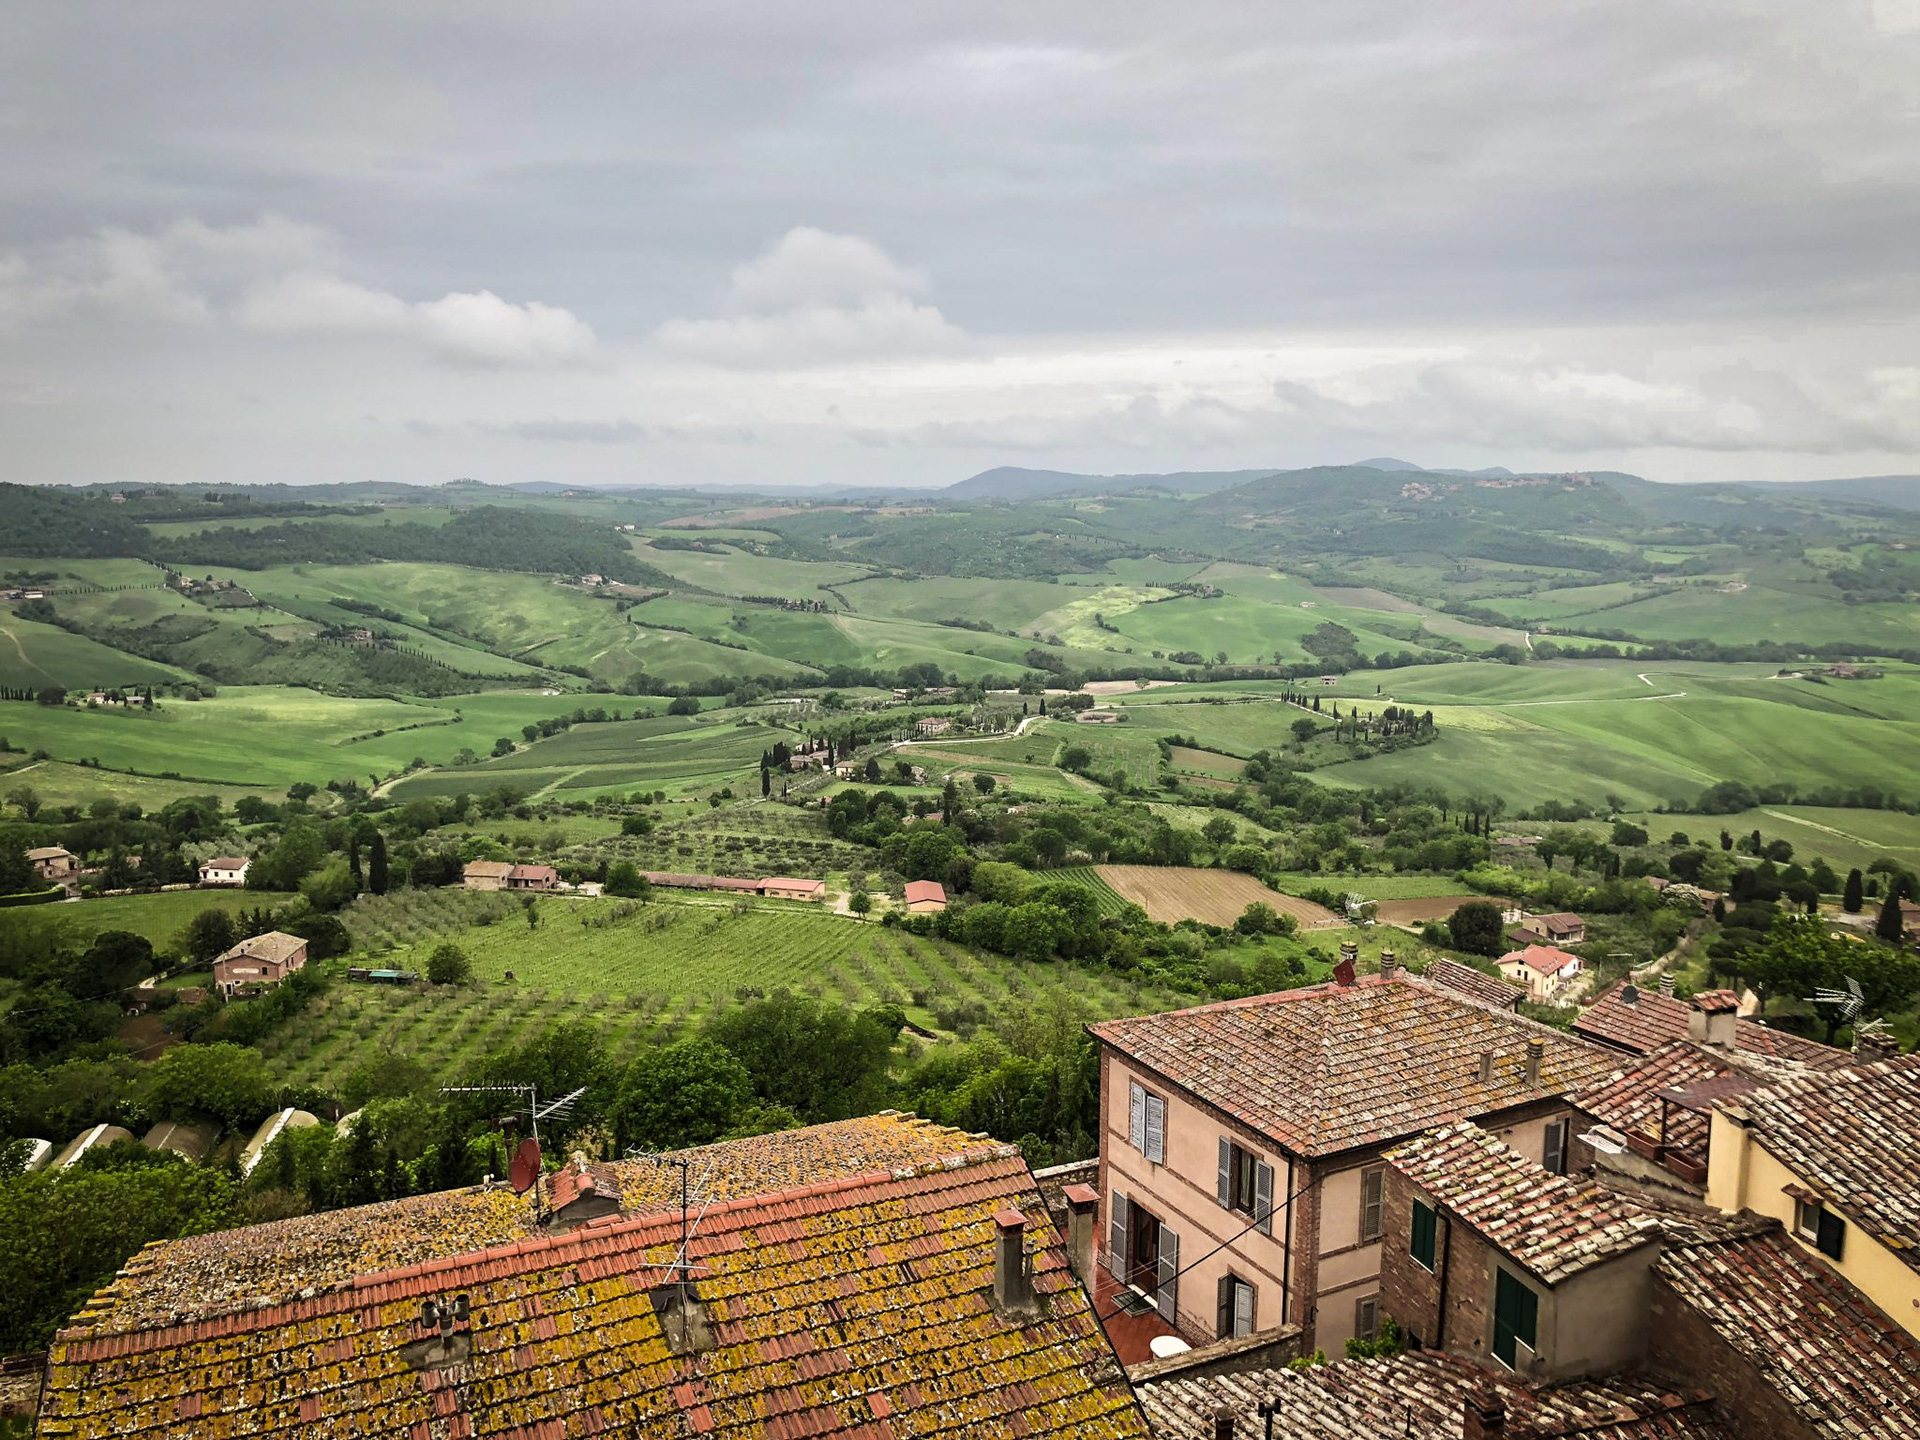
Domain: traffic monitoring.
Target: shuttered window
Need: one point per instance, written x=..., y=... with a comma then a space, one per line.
x=1156, y=1146
x=1516, y=1313
x=1420, y=1244
x=1136, y=1116
x=1832, y=1237
x=1235, y=1318
x=1554, y=1155
x=1372, y=1189
x=1167, y=1292
x=1366, y=1318
x=1117, y=1236
x=1263, y=1197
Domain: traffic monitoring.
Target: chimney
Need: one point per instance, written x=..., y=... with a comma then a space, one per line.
x=1485, y=1418
x=1536, y=1052
x=1873, y=1042
x=1223, y=1424
x=1012, y=1285
x=1083, y=1206
x=1486, y=1067
x=1343, y=971
x=1716, y=1014
x=1629, y=994
x=1666, y=985
x=1389, y=965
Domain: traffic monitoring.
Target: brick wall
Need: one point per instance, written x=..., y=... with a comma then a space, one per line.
x=1304, y=1246
x=1410, y=1292
x=1682, y=1345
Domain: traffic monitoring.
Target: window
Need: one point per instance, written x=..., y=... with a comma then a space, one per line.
x=1420, y=1246
x=1147, y=1123
x=1554, y=1153
x=1236, y=1308
x=1366, y=1318
x=1820, y=1227
x=1245, y=1184
x=1372, y=1189
x=1516, y=1314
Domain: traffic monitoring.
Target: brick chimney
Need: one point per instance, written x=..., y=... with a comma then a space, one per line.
x=1715, y=1018
x=1389, y=964
x=1012, y=1285
x=1483, y=1417
x=1872, y=1042
x=1223, y=1424
x=1536, y=1052
x=1083, y=1206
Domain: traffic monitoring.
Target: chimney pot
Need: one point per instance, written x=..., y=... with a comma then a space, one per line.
x=1389, y=964
x=1012, y=1285
x=1666, y=984
x=1536, y=1052
x=1223, y=1424
x=1629, y=994
x=1083, y=1205
x=1486, y=1067
x=1485, y=1417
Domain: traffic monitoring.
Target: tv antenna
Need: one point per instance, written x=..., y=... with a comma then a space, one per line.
x=1850, y=1000
x=526, y=1169
x=682, y=1265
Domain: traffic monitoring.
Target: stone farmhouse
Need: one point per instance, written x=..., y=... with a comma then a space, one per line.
x=54, y=862
x=257, y=963
x=1561, y=928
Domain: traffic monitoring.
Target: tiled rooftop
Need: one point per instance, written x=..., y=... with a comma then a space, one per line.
x=1547, y=959
x=1331, y=1067
x=1452, y=975
x=1629, y=1099
x=1654, y=1019
x=1554, y=1226
x=232, y=1269
x=1828, y=1351
x=1854, y=1137
x=1422, y=1395
x=856, y=1307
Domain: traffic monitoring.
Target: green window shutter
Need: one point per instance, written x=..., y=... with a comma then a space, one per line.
x=1516, y=1314
x=1421, y=1244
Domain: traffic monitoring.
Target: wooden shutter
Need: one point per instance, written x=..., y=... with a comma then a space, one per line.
x=1372, y=1184
x=1420, y=1244
x=1242, y=1308
x=1136, y=1117
x=1832, y=1235
x=1263, y=1197
x=1224, y=1188
x=1223, y=1308
x=1366, y=1317
x=1117, y=1236
x=1555, y=1156
x=1168, y=1289
x=1516, y=1313
x=1156, y=1130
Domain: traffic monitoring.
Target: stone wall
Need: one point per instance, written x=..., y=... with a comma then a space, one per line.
x=1682, y=1345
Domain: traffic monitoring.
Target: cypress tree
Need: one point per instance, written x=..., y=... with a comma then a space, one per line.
x=1854, y=896
x=377, y=864
x=1888, y=926
x=353, y=864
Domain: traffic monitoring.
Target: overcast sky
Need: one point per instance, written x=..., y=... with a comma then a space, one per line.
x=896, y=243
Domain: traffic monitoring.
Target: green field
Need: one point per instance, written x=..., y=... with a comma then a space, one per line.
x=160, y=917
x=736, y=571
x=644, y=977
x=1106, y=896
x=34, y=653
x=1847, y=838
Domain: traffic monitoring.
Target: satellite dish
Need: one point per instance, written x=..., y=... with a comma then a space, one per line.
x=526, y=1166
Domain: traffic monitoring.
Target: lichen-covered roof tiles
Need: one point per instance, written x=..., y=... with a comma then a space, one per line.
x=1554, y=1226
x=1849, y=1370
x=1652, y=1019
x=855, y=1306
x=1629, y=1099
x=1331, y=1067
x=1854, y=1137
x=1477, y=984
x=1422, y=1395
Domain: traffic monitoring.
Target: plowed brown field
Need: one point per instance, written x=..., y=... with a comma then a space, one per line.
x=1213, y=897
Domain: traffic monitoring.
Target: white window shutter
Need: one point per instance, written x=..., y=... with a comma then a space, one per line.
x=1156, y=1130
x=1117, y=1236
x=1168, y=1292
x=1242, y=1308
x=1224, y=1188
x=1555, y=1158
x=1136, y=1117
x=1263, y=1197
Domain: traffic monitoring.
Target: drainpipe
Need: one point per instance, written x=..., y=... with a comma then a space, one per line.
x=1446, y=1266
x=1286, y=1250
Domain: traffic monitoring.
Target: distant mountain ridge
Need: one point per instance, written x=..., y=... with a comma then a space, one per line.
x=1013, y=482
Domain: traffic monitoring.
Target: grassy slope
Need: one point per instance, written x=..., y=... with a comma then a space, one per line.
x=158, y=917
x=34, y=654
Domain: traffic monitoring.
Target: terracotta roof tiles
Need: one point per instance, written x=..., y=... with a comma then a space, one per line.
x=1422, y=1395
x=1629, y=1099
x=1822, y=1346
x=1452, y=975
x=1654, y=1019
x=1553, y=1226
x=858, y=1307
x=1853, y=1136
x=1330, y=1067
